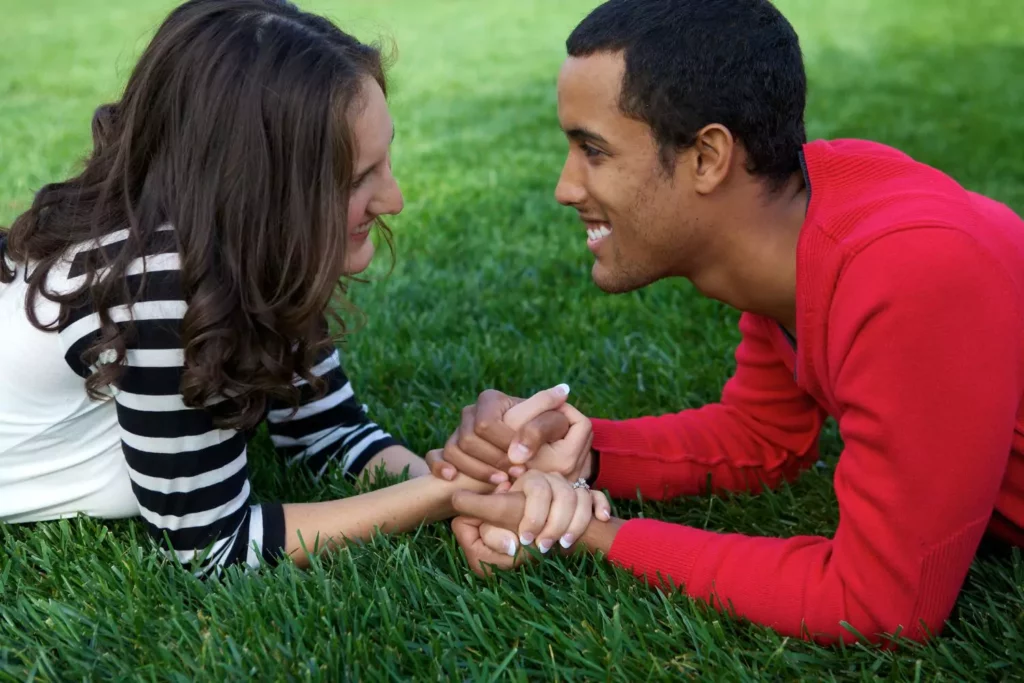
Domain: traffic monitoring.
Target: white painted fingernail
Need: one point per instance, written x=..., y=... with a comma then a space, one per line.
x=526, y=539
x=520, y=454
x=544, y=546
x=510, y=548
x=566, y=541
x=562, y=389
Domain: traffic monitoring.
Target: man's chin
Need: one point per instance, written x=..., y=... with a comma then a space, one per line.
x=612, y=281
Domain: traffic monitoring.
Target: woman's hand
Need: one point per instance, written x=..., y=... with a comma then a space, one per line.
x=553, y=512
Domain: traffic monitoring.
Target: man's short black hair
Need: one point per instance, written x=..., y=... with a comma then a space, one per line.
x=690, y=63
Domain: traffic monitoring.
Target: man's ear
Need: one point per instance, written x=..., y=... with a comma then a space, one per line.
x=710, y=157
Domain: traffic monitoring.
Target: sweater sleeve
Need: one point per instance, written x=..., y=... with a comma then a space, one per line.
x=924, y=337
x=764, y=430
x=190, y=478
x=331, y=430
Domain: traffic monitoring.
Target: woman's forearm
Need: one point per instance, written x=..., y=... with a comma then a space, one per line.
x=395, y=509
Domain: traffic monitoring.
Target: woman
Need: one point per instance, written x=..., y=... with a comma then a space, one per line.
x=161, y=305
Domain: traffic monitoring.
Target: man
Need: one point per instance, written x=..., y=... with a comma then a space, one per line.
x=873, y=288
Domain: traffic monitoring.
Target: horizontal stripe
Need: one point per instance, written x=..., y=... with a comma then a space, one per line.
x=332, y=362
x=316, y=439
x=163, y=403
x=151, y=381
x=193, y=483
x=356, y=465
x=196, y=520
x=310, y=409
x=198, y=538
x=183, y=464
x=178, y=444
x=155, y=358
x=303, y=441
x=157, y=286
x=354, y=451
x=166, y=425
x=348, y=413
x=110, y=247
x=143, y=310
x=183, y=504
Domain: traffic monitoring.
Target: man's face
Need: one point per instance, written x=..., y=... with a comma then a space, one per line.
x=634, y=209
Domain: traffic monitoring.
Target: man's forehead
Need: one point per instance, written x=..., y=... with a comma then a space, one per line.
x=588, y=95
x=596, y=77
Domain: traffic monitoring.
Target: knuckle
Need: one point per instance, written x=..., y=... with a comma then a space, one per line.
x=482, y=426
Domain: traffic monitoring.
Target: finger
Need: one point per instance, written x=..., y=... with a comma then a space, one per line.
x=578, y=440
x=541, y=430
x=503, y=487
x=499, y=540
x=538, y=504
x=580, y=520
x=560, y=512
x=469, y=465
x=500, y=509
x=479, y=556
x=488, y=421
x=475, y=446
x=602, y=507
x=438, y=467
x=541, y=402
x=516, y=471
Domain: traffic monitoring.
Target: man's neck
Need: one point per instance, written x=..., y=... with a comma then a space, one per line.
x=755, y=268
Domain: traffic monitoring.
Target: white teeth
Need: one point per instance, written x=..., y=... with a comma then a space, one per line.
x=598, y=233
x=604, y=231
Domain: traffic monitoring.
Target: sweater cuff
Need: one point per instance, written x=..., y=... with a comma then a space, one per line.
x=623, y=472
x=662, y=553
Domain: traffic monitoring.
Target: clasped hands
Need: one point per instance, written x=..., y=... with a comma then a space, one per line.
x=532, y=450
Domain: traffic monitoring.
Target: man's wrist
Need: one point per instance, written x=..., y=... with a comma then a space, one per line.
x=600, y=536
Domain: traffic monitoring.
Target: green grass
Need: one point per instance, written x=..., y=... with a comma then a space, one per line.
x=492, y=288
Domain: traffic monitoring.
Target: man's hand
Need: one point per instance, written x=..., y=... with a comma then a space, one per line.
x=501, y=436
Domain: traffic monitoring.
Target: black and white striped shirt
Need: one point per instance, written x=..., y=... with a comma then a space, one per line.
x=191, y=479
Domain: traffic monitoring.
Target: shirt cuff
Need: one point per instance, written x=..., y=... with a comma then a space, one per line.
x=358, y=464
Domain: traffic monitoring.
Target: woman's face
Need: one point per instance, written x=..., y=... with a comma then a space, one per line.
x=374, y=191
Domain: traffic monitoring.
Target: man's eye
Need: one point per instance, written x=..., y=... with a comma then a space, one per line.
x=589, y=151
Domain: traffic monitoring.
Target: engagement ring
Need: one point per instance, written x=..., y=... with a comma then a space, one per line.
x=581, y=483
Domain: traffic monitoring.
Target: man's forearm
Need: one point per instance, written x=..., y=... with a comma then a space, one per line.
x=394, y=509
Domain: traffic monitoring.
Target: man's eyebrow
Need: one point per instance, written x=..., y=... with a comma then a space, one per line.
x=584, y=135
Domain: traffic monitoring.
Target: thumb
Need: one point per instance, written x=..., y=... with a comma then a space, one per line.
x=541, y=402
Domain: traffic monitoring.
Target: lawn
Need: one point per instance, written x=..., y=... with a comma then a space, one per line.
x=491, y=288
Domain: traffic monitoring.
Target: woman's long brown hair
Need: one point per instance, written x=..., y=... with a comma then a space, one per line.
x=234, y=128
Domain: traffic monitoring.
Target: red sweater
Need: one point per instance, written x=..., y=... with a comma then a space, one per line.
x=910, y=333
